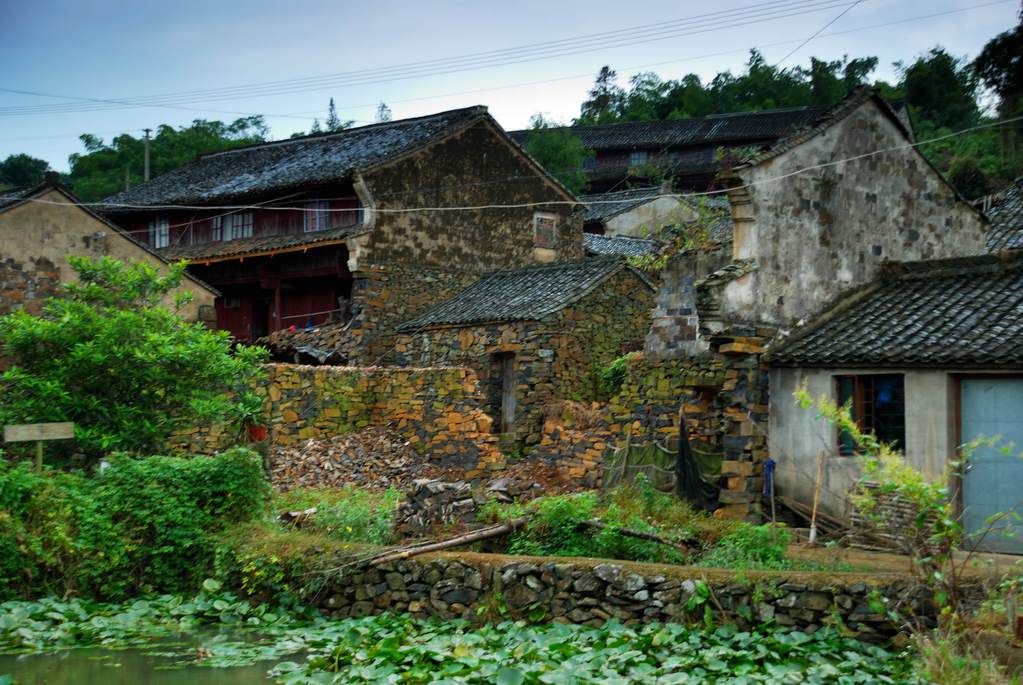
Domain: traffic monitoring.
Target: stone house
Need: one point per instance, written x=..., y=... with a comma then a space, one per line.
x=534, y=335
x=811, y=216
x=1005, y=212
x=41, y=226
x=686, y=150
x=356, y=231
x=929, y=357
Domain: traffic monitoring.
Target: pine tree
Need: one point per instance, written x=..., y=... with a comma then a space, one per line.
x=383, y=112
x=333, y=123
x=316, y=127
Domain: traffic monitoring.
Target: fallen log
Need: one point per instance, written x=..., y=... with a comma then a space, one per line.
x=498, y=530
x=629, y=532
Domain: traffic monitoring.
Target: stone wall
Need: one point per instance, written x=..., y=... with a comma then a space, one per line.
x=819, y=233
x=36, y=239
x=558, y=357
x=439, y=409
x=590, y=591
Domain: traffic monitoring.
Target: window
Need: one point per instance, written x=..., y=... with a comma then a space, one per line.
x=878, y=405
x=237, y=226
x=637, y=157
x=316, y=217
x=232, y=302
x=159, y=232
x=545, y=229
x=217, y=228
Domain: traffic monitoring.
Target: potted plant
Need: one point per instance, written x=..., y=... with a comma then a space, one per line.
x=251, y=416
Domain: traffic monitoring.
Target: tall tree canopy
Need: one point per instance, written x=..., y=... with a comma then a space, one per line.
x=558, y=151
x=22, y=170
x=100, y=170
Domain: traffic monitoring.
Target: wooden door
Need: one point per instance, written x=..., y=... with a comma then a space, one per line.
x=508, y=383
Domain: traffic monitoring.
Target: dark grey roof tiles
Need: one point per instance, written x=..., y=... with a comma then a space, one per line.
x=312, y=160
x=624, y=246
x=945, y=313
x=258, y=244
x=737, y=127
x=603, y=206
x=12, y=196
x=525, y=294
x=1006, y=216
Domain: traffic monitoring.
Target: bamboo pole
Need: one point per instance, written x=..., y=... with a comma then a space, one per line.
x=630, y=533
x=457, y=541
x=816, y=497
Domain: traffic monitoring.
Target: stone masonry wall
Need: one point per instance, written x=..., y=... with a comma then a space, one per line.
x=26, y=284
x=439, y=409
x=591, y=591
x=556, y=358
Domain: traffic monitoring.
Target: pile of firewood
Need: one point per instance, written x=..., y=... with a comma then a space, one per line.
x=373, y=458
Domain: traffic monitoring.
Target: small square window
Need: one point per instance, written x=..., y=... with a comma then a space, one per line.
x=878, y=404
x=316, y=216
x=159, y=232
x=232, y=302
x=545, y=230
x=237, y=226
x=637, y=157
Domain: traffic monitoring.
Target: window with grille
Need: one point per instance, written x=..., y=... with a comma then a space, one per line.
x=545, y=229
x=637, y=157
x=316, y=216
x=878, y=405
x=217, y=228
x=159, y=232
x=237, y=226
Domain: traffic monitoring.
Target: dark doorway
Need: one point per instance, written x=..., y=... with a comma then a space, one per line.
x=501, y=390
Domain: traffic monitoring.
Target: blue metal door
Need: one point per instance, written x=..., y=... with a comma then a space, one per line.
x=994, y=480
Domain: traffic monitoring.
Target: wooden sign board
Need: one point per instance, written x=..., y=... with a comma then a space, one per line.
x=28, y=432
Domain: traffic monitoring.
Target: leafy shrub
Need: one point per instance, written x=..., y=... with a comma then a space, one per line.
x=613, y=376
x=751, y=547
x=110, y=357
x=348, y=514
x=136, y=526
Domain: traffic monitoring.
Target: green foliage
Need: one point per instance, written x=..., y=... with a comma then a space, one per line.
x=349, y=514
x=100, y=170
x=559, y=152
x=401, y=649
x=614, y=374
x=751, y=547
x=110, y=357
x=942, y=90
x=137, y=526
x=22, y=170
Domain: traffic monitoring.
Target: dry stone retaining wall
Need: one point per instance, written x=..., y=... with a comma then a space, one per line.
x=592, y=591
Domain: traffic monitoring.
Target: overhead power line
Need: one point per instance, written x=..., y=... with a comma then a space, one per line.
x=714, y=21
x=816, y=33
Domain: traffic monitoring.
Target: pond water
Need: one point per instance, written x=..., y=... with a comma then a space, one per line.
x=122, y=667
x=163, y=662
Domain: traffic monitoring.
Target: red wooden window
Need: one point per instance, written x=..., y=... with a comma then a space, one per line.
x=316, y=216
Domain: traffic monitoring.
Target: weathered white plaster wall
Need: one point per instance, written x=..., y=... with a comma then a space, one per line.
x=647, y=219
x=796, y=435
x=818, y=233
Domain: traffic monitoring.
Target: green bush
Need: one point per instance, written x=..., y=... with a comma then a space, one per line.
x=751, y=547
x=348, y=514
x=137, y=526
x=126, y=369
x=613, y=375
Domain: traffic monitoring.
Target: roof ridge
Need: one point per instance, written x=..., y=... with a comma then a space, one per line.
x=555, y=266
x=953, y=266
x=475, y=109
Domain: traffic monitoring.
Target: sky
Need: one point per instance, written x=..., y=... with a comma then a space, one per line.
x=516, y=58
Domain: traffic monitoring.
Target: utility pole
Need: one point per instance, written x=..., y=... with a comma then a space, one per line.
x=145, y=173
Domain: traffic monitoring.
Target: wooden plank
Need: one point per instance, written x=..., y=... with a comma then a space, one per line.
x=27, y=432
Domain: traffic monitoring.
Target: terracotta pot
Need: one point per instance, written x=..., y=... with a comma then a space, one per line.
x=257, y=433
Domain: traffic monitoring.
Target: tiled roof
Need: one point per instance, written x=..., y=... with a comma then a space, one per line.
x=279, y=165
x=951, y=312
x=716, y=129
x=1006, y=216
x=12, y=196
x=326, y=342
x=524, y=294
x=619, y=245
x=603, y=206
x=257, y=245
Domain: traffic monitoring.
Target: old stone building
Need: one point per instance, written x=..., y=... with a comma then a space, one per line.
x=929, y=357
x=41, y=226
x=535, y=335
x=813, y=215
x=357, y=231
x=1005, y=212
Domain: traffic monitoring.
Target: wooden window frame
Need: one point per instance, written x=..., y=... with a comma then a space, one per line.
x=314, y=216
x=539, y=239
x=863, y=405
x=159, y=232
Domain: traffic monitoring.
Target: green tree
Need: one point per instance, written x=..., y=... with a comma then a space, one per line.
x=22, y=170
x=942, y=89
x=100, y=170
x=605, y=99
x=558, y=151
x=999, y=66
x=125, y=368
x=383, y=113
